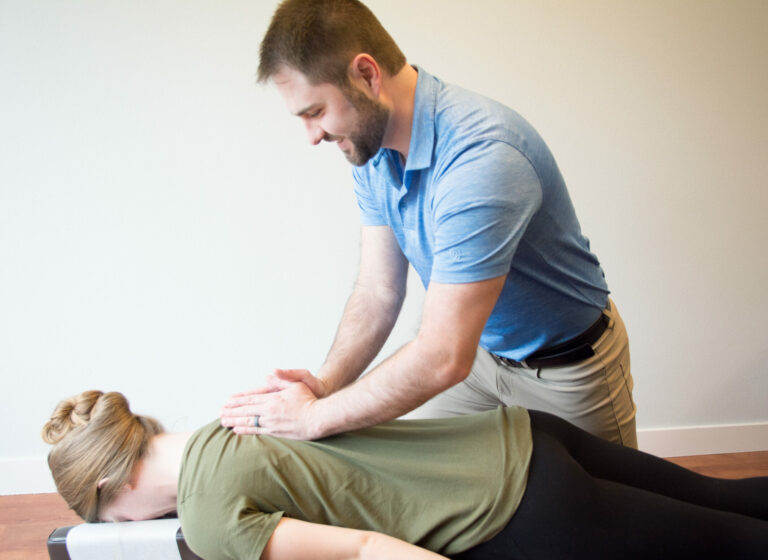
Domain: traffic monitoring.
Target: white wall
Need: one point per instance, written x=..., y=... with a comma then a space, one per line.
x=166, y=231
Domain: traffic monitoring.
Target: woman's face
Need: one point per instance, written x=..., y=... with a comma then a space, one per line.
x=134, y=503
x=128, y=506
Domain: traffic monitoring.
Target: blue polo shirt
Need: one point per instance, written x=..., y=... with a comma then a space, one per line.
x=481, y=196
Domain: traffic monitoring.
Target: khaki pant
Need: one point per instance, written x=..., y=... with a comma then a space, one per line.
x=595, y=394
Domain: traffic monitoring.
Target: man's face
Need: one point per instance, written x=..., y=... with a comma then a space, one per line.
x=348, y=117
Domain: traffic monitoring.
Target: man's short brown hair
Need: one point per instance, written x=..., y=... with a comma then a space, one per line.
x=319, y=38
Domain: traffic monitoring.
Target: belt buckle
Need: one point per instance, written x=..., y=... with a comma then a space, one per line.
x=513, y=363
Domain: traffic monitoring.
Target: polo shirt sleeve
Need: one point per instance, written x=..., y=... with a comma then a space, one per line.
x=485, y=197
x=370, y=210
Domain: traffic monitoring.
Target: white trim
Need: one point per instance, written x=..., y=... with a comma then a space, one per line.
x=25, y=475
x=30, y=475
x=704, y=440
x=153, y=538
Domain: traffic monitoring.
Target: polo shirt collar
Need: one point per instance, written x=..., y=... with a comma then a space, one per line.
x=422, y=145
x=420, y=150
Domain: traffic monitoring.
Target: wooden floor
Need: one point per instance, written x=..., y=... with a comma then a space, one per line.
x=27, y=520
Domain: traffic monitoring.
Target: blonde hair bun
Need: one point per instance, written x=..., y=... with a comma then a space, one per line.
x=69, y=414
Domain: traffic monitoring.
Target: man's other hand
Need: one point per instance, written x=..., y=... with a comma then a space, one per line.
x=283, y=406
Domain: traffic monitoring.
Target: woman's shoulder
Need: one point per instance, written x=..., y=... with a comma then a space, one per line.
x=222, y=525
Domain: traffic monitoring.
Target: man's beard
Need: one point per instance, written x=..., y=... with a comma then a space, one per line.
x=368, y=135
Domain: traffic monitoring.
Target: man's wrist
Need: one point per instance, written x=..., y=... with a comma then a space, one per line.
x=331, y=381
x=317, y=423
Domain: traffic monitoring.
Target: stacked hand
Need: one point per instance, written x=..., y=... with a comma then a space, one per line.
x=283, y=407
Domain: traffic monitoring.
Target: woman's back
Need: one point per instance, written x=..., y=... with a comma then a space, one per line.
x=444, y=484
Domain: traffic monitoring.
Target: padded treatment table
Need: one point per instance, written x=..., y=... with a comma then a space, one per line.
x=157, y=539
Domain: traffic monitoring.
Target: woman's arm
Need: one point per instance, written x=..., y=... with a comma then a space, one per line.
x=294, y=539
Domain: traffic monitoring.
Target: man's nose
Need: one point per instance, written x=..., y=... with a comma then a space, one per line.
x=314, y=133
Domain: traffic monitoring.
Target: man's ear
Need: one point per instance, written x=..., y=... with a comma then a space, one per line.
x=365, y=72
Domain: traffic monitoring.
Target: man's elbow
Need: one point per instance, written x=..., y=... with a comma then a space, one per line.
x=386, y=299
x=448, y=365
x=452, y=373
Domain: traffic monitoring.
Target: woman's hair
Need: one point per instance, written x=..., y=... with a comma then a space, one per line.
x=95, y=436
x=319, y=38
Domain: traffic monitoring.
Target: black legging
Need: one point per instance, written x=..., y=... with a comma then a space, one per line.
x=588, y=498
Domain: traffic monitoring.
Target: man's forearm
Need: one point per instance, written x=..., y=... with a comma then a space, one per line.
x=398, y=385
x=367, y=321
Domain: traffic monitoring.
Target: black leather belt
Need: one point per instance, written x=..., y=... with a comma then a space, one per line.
x=569, y=352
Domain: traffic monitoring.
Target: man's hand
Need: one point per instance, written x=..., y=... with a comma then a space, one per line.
x=283, y=406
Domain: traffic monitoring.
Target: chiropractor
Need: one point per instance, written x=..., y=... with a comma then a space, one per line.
x=465, y=190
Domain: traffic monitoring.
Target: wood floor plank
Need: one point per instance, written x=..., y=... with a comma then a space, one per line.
x=727, y=465
x=26, y=520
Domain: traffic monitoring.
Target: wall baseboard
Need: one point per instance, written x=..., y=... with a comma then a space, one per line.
x=25, y=475
x=30, y=475
x=704, y=440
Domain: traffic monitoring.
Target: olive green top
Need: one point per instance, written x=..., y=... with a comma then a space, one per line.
x=445, y=484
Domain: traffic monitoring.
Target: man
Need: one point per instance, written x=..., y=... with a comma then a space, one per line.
x=516, y=308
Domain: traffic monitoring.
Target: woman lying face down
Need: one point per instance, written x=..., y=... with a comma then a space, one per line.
x=110, y=464
x=507, y=483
